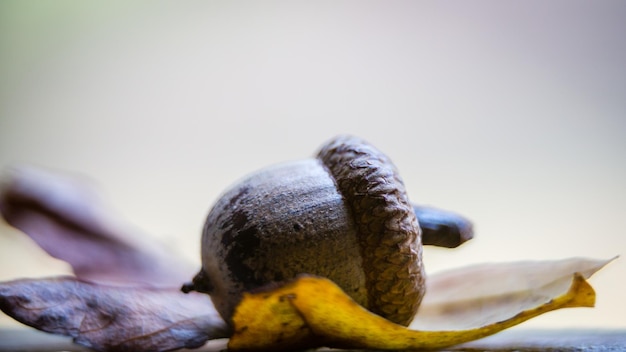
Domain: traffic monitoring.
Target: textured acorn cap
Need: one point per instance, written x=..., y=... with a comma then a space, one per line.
x=387, y=229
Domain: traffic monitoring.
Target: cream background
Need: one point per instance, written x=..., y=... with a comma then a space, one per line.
x=512, y=113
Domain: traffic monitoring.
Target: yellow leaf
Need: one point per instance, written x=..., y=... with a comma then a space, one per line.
x=313, y=312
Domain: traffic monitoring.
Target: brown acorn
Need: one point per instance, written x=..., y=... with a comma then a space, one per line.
x=344, y=215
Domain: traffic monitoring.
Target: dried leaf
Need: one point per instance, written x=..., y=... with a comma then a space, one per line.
x=314, y=312
x=483, y=294
x=69, y=220
x=113, y=318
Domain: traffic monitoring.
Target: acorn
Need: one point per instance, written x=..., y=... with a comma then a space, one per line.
x=343, y=215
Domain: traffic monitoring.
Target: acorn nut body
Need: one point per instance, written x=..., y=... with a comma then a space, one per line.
x=344, y=215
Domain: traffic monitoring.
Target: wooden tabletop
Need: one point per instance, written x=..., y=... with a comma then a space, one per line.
x=522, y=340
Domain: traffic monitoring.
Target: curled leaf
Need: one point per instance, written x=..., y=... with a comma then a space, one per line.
x=482, y=294
x=67, y=218
x=314, y=312
x=143, y=312
x=108, y=318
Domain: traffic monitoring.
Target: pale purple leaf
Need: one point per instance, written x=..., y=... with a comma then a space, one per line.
x=66, y=217
x=108, y=318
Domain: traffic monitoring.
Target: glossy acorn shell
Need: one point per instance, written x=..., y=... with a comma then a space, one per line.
x=343, y=215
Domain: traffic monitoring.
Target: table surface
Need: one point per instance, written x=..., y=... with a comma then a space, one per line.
x=18, y=339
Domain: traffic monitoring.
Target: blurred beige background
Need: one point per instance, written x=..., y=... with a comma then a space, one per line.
x=512, y=113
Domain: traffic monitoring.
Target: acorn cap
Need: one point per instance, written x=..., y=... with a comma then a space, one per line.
x=387, y=228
